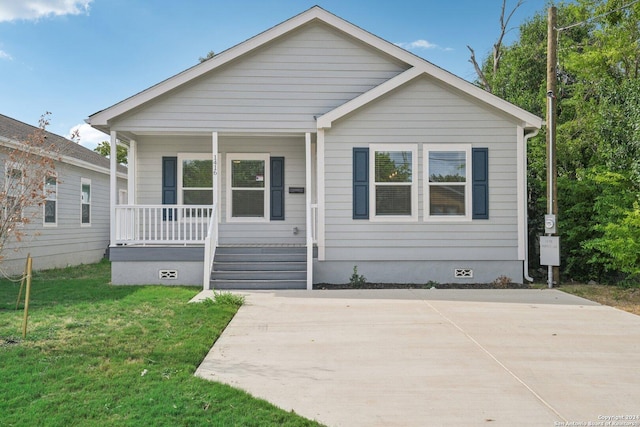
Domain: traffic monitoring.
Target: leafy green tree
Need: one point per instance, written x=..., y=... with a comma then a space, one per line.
x=598, y=129
x=104, y=148
x=620, y=244
x=590, y=202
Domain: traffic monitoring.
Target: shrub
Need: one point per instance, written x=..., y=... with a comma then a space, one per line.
x=502, y=282
x=357, y=280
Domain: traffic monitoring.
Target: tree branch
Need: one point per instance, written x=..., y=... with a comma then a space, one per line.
x=481, y=76
x=497, y=46
x=504, y=28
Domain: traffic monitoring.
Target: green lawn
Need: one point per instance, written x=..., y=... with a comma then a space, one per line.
x=99, y=355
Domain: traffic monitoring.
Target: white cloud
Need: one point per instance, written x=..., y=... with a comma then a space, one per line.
x=12, y=10
x=421, y=44
x=5, y=55
x=89, y=137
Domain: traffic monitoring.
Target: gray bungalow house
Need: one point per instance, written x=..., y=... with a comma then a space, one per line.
x=72, y=226
x=312, y=148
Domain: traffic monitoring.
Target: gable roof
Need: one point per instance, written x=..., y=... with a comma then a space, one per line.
x=529, y=121
x=100, y=120
x=13, y=131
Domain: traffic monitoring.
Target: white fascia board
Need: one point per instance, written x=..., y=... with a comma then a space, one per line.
x=528, y=120
x=419, y=66
x=89, y=166
x=327, y=119
x=101, y=118
x=65, y=159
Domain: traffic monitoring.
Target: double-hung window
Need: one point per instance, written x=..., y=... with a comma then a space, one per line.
x=85, y=201
x=447, y=182
x=195, y=179
x=14, y=191
x=51, y=200
x=247, y=187
x=393, y=189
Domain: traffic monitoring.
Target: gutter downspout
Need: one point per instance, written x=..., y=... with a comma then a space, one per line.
x=527, y=136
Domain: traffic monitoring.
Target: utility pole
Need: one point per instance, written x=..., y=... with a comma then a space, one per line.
x=552, y=171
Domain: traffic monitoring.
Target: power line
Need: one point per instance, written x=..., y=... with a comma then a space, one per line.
x=586, y=21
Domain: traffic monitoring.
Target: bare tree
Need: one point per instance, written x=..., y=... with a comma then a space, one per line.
x=497, y=46
x=28, y=170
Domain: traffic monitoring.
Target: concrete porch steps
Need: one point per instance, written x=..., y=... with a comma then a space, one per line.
x=259, y=267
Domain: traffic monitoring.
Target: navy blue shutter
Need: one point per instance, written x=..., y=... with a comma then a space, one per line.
x=169, y=185
x=480, y=182
x=360, y=183
x=277, y=188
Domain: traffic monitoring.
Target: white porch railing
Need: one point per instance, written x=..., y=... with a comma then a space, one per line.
x=162, y=224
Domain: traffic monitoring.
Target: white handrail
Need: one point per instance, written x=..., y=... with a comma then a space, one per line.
x=210, y=244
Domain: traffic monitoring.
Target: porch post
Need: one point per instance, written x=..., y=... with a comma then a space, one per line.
x=215, y=165
x=320, y=192
x=308, y=184
x=131, y=168
x=113, y=184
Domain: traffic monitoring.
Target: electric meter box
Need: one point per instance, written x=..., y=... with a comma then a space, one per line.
x=550, y=224
x=550, y=250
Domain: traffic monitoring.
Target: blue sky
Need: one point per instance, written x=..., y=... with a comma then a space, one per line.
x=76, y=57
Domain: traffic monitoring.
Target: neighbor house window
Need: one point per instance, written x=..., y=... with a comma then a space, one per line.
x=51, y=200
x=447, y=182
x=85, y=201
x=247, y=184
x=393, y=189
x=14, y=191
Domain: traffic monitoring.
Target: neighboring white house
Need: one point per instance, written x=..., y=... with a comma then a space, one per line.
x=73, y=226
x=320, y=135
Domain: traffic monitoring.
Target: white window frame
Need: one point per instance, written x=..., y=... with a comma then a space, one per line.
x=413, y=148
x=47, y=196
x=267, y=185
x=192, y=156
x=466, y=148
x=83, y=182
x=9, y=167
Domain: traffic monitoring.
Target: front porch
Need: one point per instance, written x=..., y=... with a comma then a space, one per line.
x=159, y=236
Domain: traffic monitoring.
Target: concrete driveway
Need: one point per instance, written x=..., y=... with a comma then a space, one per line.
x=434, y=357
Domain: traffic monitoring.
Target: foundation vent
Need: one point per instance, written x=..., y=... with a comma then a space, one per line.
x=463, y=273
x=168, y=274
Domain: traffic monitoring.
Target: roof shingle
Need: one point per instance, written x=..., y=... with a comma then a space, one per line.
x=18, y=131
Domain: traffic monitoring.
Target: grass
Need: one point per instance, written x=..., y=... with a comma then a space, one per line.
x=98, y=355
x=623, y=298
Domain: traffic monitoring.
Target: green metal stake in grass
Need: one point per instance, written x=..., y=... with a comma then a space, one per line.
x=26, y=297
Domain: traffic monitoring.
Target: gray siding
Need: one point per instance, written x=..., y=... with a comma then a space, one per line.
x=422, y=113
x=150, y=150
x=68, y=242
x=149, y=181
x=280, y=87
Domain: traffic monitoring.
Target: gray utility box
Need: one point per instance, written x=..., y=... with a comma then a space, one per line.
x=550, y=250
